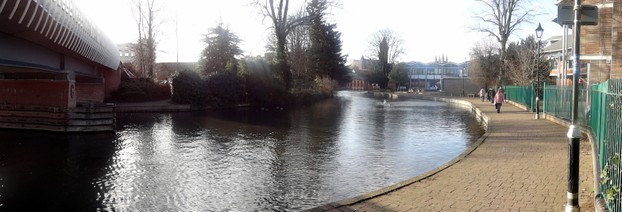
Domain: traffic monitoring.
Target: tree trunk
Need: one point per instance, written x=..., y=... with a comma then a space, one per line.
x=281, y=58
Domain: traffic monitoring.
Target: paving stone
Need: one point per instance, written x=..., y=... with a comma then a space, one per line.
x=521, y=166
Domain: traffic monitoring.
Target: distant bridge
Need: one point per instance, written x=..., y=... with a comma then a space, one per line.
x=51, y=55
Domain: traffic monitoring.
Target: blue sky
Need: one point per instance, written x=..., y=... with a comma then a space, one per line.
x=428, y=28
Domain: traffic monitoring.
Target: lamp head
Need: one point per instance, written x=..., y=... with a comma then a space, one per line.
x=539, y=31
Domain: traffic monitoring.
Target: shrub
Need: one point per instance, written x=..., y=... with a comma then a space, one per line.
x=263, y=85
x=141, y=89
x=188, y=88
x=325, y=85
x=266, y=90
x=224, y=88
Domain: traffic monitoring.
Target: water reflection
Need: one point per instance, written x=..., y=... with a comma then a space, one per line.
x=47, y=170
x=250, y=159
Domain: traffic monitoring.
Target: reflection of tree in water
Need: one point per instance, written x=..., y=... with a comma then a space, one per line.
x=52, y=171
x=232, y=122
x=136, y=120
x=250, y=159
x=300, y=159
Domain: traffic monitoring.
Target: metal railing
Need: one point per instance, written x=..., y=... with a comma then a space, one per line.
x=557, y=102
x=606, y=124
x=600, y=110
x=521, y=94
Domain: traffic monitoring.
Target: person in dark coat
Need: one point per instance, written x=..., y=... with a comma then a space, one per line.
x=490, y=95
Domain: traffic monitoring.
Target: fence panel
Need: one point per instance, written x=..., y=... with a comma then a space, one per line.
x=606, y=123
x=558, y=103
x=600, y=109
x=521, y=94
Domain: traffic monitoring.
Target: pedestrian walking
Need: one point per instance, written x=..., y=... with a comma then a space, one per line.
x=490, y=95
x=482, y=94
x=499, y=99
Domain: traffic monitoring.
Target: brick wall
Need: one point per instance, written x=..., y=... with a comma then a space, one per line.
x=454, y=86
x=616, y=39
x=604, y=39
x=112, y=80
x=90, y=92
x=596, y=41
x=599, y=70
x=55, y=93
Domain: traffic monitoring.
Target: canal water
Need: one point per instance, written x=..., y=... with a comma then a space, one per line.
x=246, y=160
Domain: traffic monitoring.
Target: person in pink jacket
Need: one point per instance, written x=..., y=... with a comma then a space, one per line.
x=499, y=99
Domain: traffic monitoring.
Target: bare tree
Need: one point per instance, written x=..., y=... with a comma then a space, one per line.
x=147, y=21
x=298, y=44
x=283, y=24
x=386, y=47
x=500, y=19
x=485, y=63
x=394, y=42
x=521, y=61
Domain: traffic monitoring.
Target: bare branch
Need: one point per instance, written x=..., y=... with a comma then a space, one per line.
x=147, y=21
x=282, y=26
x=500, y=19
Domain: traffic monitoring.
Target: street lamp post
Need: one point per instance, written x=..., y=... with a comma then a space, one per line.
x=574, y=134
x=462, y=74
x=539, y=32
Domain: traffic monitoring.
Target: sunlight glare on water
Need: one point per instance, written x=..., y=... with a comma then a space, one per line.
x=246, y=160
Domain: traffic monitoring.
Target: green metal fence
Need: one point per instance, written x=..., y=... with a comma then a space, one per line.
x=557, y=102
x=521, y=94
x=602, y=115
x=606, y=123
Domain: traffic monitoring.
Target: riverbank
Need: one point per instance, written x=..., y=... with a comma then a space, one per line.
x=151, y=106
x=161, y=106
x=168, y=106
x=519, y=164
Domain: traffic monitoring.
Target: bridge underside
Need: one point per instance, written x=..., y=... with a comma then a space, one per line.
x=59, y=101
x=56, y=68
x=35, y=75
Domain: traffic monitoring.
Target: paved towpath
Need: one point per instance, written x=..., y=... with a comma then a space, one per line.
x=520, y=166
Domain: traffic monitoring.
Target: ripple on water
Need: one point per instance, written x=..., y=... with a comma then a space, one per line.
x=269, y=160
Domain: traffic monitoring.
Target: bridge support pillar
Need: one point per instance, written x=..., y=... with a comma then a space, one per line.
x=38, y=92
x=90, y=90
x=54, y=102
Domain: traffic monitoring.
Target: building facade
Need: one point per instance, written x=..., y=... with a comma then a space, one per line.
x=422, y=76
x=360, y=69
x=164, y=71
x=552, y=51
x=601, y=45
x=126, y=53
x=429, y=76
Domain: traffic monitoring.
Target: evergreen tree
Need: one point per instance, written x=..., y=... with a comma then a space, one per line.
x=222, y=48
x=325, y=53
x=383, y=62
x=386, y=47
